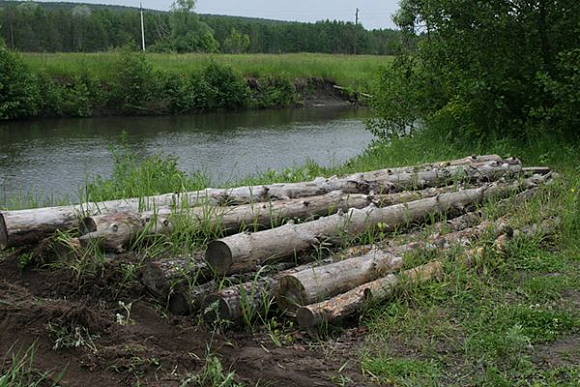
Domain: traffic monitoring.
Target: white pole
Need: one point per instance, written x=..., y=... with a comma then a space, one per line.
x=142, y=28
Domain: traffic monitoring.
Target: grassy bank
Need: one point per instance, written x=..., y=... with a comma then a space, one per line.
x=346, y=70
x=512, y=320
x=134, y=83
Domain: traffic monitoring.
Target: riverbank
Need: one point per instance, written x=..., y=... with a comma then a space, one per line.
x=133, y=83
x=512, y=314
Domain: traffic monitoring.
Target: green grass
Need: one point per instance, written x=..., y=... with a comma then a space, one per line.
x=17, y=370
x=499, y=324
x=347, y=70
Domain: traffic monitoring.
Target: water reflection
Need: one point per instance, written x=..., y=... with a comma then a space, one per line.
x=54, y=156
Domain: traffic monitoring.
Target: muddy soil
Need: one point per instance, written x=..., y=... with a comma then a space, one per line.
x=77, y=324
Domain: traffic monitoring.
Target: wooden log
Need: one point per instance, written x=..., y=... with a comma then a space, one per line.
x=319, y=283
x=115, y=231
x=233, y=302
x=352, y=301
x=229, y=301
x=237, y=302
x=383, y=288
x=166, y=276
x=28, y=226
x=469, y=160
x=242, y=252
x=316, y=284
x=246, y=299
x=186, y=299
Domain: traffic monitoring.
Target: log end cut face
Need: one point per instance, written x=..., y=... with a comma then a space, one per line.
x=88, y=225
x=216, y=309
x=306, y=318
x=219, y=256
x=179, y=304
x=3, y=233
x=290, y=293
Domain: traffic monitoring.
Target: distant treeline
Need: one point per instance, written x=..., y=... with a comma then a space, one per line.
x=66, y=27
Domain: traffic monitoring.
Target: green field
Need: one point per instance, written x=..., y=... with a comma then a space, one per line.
x=348, y=70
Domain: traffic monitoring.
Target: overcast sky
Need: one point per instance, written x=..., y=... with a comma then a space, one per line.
x=373, y=13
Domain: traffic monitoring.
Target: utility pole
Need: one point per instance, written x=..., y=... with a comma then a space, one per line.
x=355, y=32
x=142, y=27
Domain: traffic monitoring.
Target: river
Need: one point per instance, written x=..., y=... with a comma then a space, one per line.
x=52, y=158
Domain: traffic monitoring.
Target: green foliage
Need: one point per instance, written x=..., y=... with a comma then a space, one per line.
x=177, y=92
x=62, y=27
x=563, y=88
x=18, y=91
x=236, y=43
x=223, y=88
x=397, y=99
x=490, y=68
x=211, y=375
x=273, y=92
x=402, y=372
x=16, y=370
x=134, y=82
x=188, y=32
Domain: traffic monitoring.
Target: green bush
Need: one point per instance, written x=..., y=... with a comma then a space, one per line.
x=225, y=88
x=484, y=69
x=273, y=92
x=134, y=83
x=178, y=95
x=396, y=99
x=18, y=89
x=564, y=90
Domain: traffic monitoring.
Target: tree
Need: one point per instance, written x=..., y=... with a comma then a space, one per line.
x=188, y=32
x=485, y=66
x=236, y=43
x=18, y=91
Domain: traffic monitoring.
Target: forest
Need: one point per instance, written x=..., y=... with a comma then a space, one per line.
x=70, y=27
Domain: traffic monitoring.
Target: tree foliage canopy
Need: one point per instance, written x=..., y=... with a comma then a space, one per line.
x=65, y=27
x=497, y=66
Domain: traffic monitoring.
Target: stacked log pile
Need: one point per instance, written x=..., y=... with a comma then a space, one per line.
x=244, y=273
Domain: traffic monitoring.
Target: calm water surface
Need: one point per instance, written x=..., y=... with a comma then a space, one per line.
x=53, y=157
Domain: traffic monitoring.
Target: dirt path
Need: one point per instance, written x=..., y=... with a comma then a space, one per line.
x=100, y=346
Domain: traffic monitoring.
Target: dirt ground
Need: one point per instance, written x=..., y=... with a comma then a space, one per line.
x=151, y=347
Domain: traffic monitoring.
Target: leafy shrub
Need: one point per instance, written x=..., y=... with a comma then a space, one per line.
x=396, y=99
x=225, y=88
x=134, y=83
x=18, y=91
x=76, y=99
x=483, y=69
x=270, y=92
x=564, y=90
x=177, y=93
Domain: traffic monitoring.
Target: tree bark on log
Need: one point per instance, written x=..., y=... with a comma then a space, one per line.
x=469, y=160
x=352, y=301
x=114, y=231
x=28, y=226
x=246, y=299
x=229, y=304
x=233, y=302
x=242, y=252
x=183, y=300
x=306, y=287
x=163, y=277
